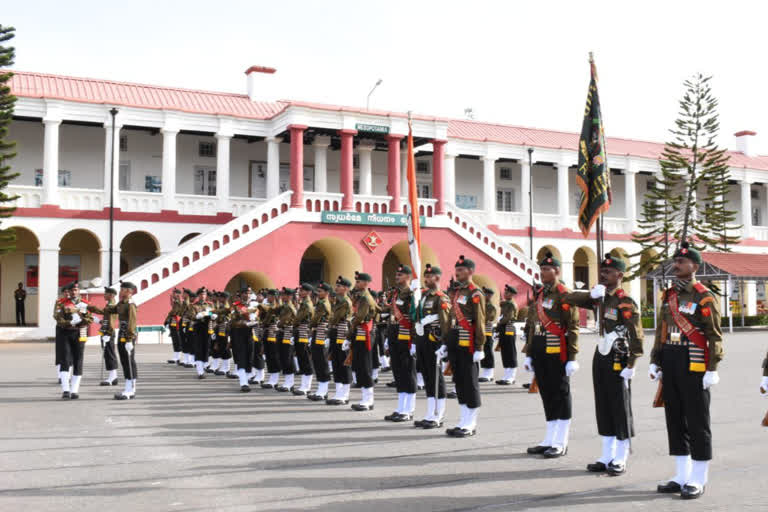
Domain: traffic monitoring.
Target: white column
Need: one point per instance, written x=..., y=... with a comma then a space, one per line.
x=751, y=297
x=489, y=188
x=450, y=177
x=112, y=161
x=51, y=163
x=630, y=197
x=273, y=166
x=566, y=269
x=320, y=145
x=562, y=194
x=48, y=288
x=404, y=173
x=364, y=150
x=765, y=205
x=115, y=261
x=169, y=169
x=222, y=171
x=525, y=183
x=746, y=209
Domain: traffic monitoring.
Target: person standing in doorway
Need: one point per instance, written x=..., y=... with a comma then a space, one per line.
x=20, y=295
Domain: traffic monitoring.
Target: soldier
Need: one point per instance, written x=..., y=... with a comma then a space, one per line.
x=402, y=349
x=552, y=342
x=301, y=336
x=73, y=318
x=687, y=349
x=173, y=323
x=319, y=326
x=221, y=351
x=126, y=311
x=269, y=313
x=382, y=303
x=507, y=335
x=241, y=335
x=764, y=381
x=361, y=325
x=339, y=327
x=434, y=314
x=187, y=329
x=107, y=333
x=488, y=364
x=464, y=345
x=202, y=311
x=613, y=365
x=286, y=340
x=258, y=334
x=58, y=348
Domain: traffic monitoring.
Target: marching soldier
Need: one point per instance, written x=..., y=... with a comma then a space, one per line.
x=202, y=329
x=241, y=335
x=221, y=351
x=339, y=327
x=319, y=326
x=187, y=329
x=464, y=345
x=613, y=365
x=301, y=336
x=507, y=335
x=402, y=349
x=73, y=318
x=764, y=382
x=687, y=349
x=126, y=311
x=107, y=333
x=173, y=323
x=258, y=333
x=381, y=330
x=286, y=341
x=488, y=364
x=552, y=342
x=434, y=309
x=270, y=313
x=361, y=326
x=58, y=348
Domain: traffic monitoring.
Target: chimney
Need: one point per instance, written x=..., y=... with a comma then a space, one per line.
x=744, y=140
x=252, y=74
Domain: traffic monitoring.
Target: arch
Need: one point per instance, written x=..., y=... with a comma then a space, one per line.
x=137, y=248
x=21, y=266
x=551, y=248
x=585, y=267
x=254, y=279
x=225, y=240
x=186, y=238
x=482, y=280
x=206, y=250
x=399, y=254
x=165, y=272
x=79, y=257
x=328, y=258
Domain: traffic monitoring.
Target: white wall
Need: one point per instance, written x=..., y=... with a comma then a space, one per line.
x=29, y=150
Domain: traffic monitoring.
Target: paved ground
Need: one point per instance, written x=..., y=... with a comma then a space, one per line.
x=193, y=445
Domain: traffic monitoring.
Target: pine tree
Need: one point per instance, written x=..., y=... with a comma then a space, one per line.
x=7, y=101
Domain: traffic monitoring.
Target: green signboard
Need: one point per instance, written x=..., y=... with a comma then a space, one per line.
x=368, y=219
x=372, y=128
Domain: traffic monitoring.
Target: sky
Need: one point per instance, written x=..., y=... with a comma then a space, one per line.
x=512, y=62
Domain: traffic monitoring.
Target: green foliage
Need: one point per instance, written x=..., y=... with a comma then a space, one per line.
x=7, y=101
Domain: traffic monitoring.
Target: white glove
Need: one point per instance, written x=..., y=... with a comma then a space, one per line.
x=654, y=372
x=571, y=367
x=710, y=379
x=478, y=356
x=429, y=319
x=419, y=329
x=442, y=352
x=386, y=343
x=106, y=339
x=252, y=317
x=764, y=387
x=199, y=315
x=495, y=336
x=597, y=291
x=129, y=346
x=413, y=349
x=415, y=285
x=293, y=340
x=346, y=345
x=627, y=373
x=253, y=303
x=214, y=316
x=213, y=336
x=528, y=365
x=75, y=319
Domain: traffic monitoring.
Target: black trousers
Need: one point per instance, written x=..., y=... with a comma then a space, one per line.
x=612, y=399
x=686, y=405
x=376, y=347
x=20, y=320
x=508, y=351
x=258, y=349
x=362, y=364
x=220, y=348
x=187, y=341
x=242, y=347
x=425, y=352
x=176, y=339
x=110, y=356
x=341, y=374
x=554, y=386
x=128, y=361
x=71, y=351
x=489, y=361
x=403, y=363
x=286, y=352
x=202, y=343
x=58, y=349
x=304, y=356
x=465, y=372
x=273, y=356
x=320, y=362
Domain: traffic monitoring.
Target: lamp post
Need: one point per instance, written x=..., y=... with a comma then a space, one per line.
x=368, y=99
x=530, y=200
x=113, y=113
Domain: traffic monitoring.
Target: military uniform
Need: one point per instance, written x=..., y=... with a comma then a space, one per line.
x=72, y=318
x=186, y=331
x=337, y=334
x=361, y=325
x=382, y=326
x=301, y=336
x=402, y=351
x=241, y=338
x=320, y=343
x=507, y=338
x=173, y=323
x=488, y=364
x=126, y=311
x=202, y=329
x=285, y=322
x=269, y=313
x=220, y=349
x=107, y=334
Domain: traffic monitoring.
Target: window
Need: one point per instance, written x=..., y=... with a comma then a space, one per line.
x=356, y=186
x=206, y=149
x=422, y=167
x=755, y=215
x=153, y=184
x=123, y=143
x=755, y=194
x=65, y=178
x=125, y=175
x=355, y=161
x=505, y=173
x=505, y=200
x=423, y=190
x=466, y=202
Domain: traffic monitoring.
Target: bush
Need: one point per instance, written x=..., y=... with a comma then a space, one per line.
x=749, y=321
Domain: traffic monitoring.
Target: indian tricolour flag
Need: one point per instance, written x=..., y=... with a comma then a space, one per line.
x=414, y=228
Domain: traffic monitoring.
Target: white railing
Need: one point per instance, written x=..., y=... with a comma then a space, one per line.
x=758, y=233
x=133, y=201
x=242, y=205
x=192, y=204
x=426, y=206
x=322, y=201
x=29, y=196
x=372, y=204
x=82, y=198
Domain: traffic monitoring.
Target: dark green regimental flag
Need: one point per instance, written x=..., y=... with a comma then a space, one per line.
x=593, y=175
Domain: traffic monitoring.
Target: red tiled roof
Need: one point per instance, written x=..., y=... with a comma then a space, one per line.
x=739, y=265
x=88, y=90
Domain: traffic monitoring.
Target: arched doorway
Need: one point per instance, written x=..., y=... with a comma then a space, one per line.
x=79, y=257
x=548, y=248
x=400, y=255
x=646, y=285
x=20, y=266
x=188, y=237
x=584, y=267
x=136, y=249
x=328, y=258
x=256, y=280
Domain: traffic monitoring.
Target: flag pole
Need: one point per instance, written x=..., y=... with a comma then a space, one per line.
x=530, y=200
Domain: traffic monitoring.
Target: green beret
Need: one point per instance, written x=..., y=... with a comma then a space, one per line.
x=126, y=284
x=404, y=269
x=686, y=251
x=510, y=289
x=464, y=262
x=487, y=290
x=435, y=271
x=307, y=287
x=549, y=261
x=362, y=276
x=612, y=262
x=107, y=289
x=343, y=281
x=324, y=286
x=288, y=291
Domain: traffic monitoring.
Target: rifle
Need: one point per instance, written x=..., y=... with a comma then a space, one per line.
x=658, y=401
x=534, y=387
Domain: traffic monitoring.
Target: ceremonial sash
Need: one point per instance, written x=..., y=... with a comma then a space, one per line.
x=303, y=331
x=364, y=333
x=553, y=329
x=464, y=323
x=404, y=333
x=699, y=355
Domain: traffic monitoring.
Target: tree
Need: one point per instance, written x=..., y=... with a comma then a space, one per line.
x=672, y=212
x=7, y=101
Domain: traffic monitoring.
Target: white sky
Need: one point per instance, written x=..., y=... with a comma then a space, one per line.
x=521, y=63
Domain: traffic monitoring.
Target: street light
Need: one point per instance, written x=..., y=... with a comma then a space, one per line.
x=368, y=99
x=113, y=113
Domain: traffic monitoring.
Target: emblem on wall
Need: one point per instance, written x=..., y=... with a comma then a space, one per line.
x=372, y=241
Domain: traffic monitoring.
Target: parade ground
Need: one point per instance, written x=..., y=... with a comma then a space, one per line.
x=191, y=445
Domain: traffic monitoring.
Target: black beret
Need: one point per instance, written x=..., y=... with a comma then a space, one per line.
x=273, y=292
x=362, y=276
x=487, y=290
x=404, y=269
x=67, y=286
x=510, y=289
x=549, y=261
x=435, y=271
x=288, y=291
x=324, y=286
x=107, y=289
x=686, y=251
x=343, y=281
x=307, y=287
x=128, y=285
x=201, y=290
x=176, y=290
x=612, y=262
x=464, y=262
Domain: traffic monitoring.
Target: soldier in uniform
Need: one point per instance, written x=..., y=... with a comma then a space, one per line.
x=241, y=339
x=613, y=365
x=687, y=349
x=58, y=348
x=173, y=323
x=258, y=333
x=269, y=313
x=434, y=314
x=337, y=334
x=464, y=345
x=402, y=346
x=107, y=333
x=488, y=364
x=126, y=311
x=382, y=325
x=187, y=329
x=552, y=342
x=301, y=336
x=507, y=335
x=361, y=327
x=286, y=341
x=764, y=381
x=202, y=329
x=319, y=326
x=73, y=318
x=220, y=351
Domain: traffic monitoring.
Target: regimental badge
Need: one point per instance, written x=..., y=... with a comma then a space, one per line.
x=372, y=241
x=548, y=303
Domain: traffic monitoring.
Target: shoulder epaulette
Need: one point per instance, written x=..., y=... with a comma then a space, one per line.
x=620, y=293
x=561, y=288
x=700, y=288
x=439, y=293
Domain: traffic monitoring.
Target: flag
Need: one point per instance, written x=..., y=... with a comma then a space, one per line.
x=593, y=175
x=414, y=227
